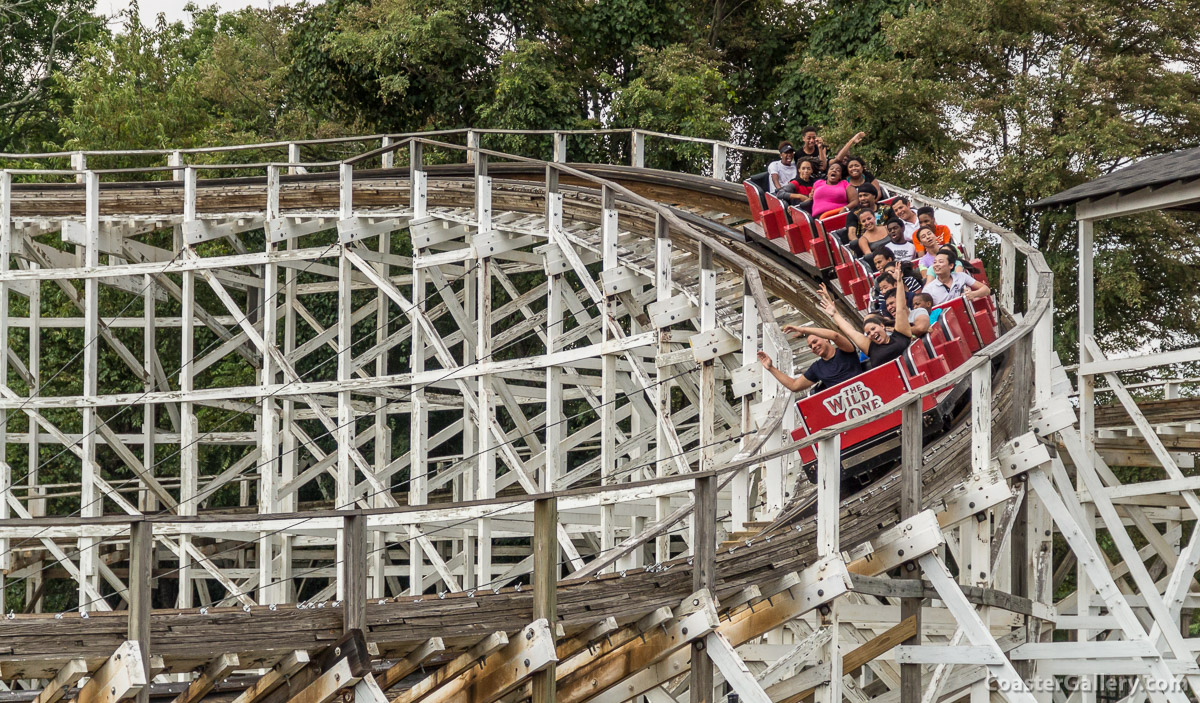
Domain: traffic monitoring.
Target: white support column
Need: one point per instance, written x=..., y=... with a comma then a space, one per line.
x=556, y=432
x=1087, y=413
x=708, y=390
x=638, y=149
x=6, y=246
x=1043, y=341
x=829, y=501
x=376, y=551
x=175, y=161
x=740, y=486
x=608, y=397
x=189, y=453
x=981, y=418
x=148, y=503
x=662, y=391
x=79, y=165
x=966, y=235
x=347, y=493
x=485, y=485
x=388, y=158
x=294, y=158
x=268, y=590
x=91, y=505
x=418, y=427
x=560, y=148
x=472, y=145
x=1008, y=274
x=720, y=162
x=1012, y=687
x=418, y=194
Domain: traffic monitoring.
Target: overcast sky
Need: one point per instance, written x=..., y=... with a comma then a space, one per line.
x=173, y=9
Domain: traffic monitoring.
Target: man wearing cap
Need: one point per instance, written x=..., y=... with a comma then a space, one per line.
x=783, y=171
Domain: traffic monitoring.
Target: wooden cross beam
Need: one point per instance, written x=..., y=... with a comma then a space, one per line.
x=121, y=677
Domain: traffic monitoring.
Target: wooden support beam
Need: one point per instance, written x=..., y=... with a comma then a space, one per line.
x=545, y=587
x=141, y=590
x=870, y=650
x=735, y=671
x=121, y=677
x=213, y=673
x=279, y=674
x=353, y=573
x=637, y=654
x=704, y=545
x=410, y=663
x=327, y=685
x=350, y=648
x=68, y=675
x=501, y=672
x=453, y=668
x=910, y=504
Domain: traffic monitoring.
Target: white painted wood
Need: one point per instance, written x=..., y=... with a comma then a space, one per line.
x=1123, y=204
x=737, y=675
x=1012, y=686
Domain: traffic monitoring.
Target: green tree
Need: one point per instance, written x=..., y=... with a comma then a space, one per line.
x=221, y=78
x=680, y=90
x=38, y=40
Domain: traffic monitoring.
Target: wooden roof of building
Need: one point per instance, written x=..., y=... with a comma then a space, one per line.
x=1150, y=172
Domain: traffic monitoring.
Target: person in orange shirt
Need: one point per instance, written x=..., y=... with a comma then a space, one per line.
x=925, y=218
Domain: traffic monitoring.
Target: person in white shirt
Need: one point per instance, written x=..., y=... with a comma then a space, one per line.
x=948, y=284
x=783, y=171
x=900, y=245
x=901, y=211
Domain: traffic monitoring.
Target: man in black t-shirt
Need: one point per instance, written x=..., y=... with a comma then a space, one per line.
x=837, y=360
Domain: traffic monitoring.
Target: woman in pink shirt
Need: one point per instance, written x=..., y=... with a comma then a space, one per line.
x=832, y=194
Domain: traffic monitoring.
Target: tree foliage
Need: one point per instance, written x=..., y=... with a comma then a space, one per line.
x=38, y=38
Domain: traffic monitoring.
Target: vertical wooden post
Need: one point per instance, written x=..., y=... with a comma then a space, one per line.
x=829, y=504
x=910, y=504
x=708, y=322
x=545, y=585
x=981, y=418
x=560, y=148
x=1087, y=425
x=608, y=369
x=418, y=194
x=376, y=558
x=485, y=482
x=79, y=165
x=141, y=589
x=740, y=486
x=293, y=159
x=91, y=503
x=175, y=161
x=556, y=459
x=388, y=158
x=638, y=143
x=966, y=235
x=268, y=591
x=704, y=555
x=472, y=145
x=188, y=429
x=346, y=474
x=662, y=390
x=720, y=162
x=1008, y=274
x=6, y=245
x=352, y=572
